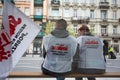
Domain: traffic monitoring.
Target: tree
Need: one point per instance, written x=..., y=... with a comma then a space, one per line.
x=71, y=31
x=49, y=27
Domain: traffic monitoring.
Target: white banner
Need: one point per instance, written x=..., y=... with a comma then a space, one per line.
x=5, y=54
x=22, y=31
x=5, y=47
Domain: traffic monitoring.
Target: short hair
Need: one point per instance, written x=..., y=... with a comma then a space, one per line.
x=62, y=23
x=84, y=28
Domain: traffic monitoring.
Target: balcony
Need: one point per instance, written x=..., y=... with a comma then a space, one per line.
x=115, y=36
x=114, y=6
x=104, y=5
x=66, y=4
x=84, y=20
x=104, y=21
x=75, y=5
x=54, y=17
x=38, y=2
x=92, y=6
x=55, y=3
x=38, y=17
x=84, y=5
x=75, y=19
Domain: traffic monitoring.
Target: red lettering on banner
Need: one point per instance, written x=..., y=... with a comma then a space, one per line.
x=13, y=24
x=91, y=42
x=4, y=54
x=61, y=47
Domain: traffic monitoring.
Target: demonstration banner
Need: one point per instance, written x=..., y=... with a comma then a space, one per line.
x=22, y=32
x=5, y=46
x=5, y=54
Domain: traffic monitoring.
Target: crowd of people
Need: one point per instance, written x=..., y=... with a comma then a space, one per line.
x=64, y=54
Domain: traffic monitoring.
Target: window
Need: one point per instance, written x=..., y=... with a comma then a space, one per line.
x=75, y=1
x=83, y=14
x=83, y=1
x=91, y=1
x=38, y=11
x=91, y=14
x=66, y=13
x=0, y=10
x=27, y=11
x=103, y=30
x=66, y=0
x=114, y=29
x=103, y=14
x=75, y=13
x=114, y=15
x=56, y=1
x=114, y=1
x=103, y=0
x=55, y=12
x=27, y=0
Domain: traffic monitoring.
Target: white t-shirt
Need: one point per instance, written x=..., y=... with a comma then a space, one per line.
x=60, y=52
x=91, y=52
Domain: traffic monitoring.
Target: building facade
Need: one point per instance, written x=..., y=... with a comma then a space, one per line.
x=101, y=16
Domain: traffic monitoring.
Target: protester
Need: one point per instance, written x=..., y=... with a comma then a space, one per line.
x=105, y=49
x=91, y=58
x=111, y=52
x=58, y=49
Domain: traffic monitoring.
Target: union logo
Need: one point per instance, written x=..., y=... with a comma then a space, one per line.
x=13, y=23
x=4, y=55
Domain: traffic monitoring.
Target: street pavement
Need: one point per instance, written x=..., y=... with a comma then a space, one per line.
x=33, y=64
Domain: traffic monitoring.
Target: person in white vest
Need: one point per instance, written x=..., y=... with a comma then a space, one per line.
x=91, y=59
x=58, y=49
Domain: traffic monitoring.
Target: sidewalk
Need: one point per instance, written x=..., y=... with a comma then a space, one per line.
x=37, y=57
x=55, y=79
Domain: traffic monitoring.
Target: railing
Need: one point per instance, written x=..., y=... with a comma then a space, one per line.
x=55, y=3
x=54, y=17
x=104, y=5
x=40, y=74
x=108, y=35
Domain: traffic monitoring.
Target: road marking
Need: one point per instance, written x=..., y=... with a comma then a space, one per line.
x=29, y=67
x=113, y=66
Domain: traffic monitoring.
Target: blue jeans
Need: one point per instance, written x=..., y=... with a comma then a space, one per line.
x=60, y=78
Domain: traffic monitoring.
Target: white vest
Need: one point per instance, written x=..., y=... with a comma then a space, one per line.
x=60, y=52
x=91, y=53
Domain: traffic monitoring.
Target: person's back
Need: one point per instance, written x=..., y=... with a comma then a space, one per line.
x=91, y=55
x=91, y=58
x=59, y=49
x=59, y=53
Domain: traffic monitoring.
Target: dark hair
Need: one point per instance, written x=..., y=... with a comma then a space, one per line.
x=62, y=23
x=84, y=28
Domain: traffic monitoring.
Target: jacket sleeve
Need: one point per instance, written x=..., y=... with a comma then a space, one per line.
x=75, y=60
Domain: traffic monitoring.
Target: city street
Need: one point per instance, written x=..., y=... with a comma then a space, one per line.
x=33, y=64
